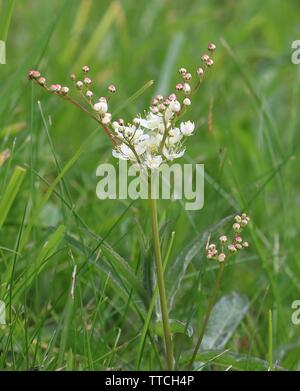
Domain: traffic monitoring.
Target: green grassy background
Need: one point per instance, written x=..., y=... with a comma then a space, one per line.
x=247, y=137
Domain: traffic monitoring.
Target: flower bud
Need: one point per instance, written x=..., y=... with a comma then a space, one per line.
x=179, y=87
x=188, y=76
x=64, y=90
x=221, y=257
x=33, y=74
x=89, y=94
x=172, y=97
x=245, y=244
x=232, y=248
x=55, y=87
x=175, y=106
x=112, y=88
x=41, y=81
x=87, y=81
x=223, y=239
x=86, y=69
x=209, y=62
x=236, y=226
x=238, y=218
x=186, y=88
x=101, y=107
x=186, y=102
x=73, y=77
x=205, y=57
x=79, y=84
x=238, y=239
x=182, y=71
x=200, y=71
x=106, y=119
x=211, y=47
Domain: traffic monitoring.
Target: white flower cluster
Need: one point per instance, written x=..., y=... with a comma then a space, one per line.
x=153, y=139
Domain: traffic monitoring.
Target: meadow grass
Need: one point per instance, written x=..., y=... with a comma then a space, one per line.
x=76, y=273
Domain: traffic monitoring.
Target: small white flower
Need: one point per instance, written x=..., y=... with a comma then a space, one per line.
x=187, y=101
x=153, y=143
x=187, y=128
x=174, y=136
x=186, y=88
x=153, y=162
x=152, y=121
x=171, y=154
x=175, y=106
x=101, y=107
x=106, y=118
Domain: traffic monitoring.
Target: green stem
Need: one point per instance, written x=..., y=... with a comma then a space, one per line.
x=208, y=312
x=160, y=279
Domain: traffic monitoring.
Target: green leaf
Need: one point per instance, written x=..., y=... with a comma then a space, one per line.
x=177, y=327
x=225, y=317
x=11, y=192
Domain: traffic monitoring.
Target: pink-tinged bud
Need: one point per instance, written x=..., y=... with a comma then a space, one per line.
x=87, y=81
x=200, y=72
x=244, y=222
x=223, y=239
x=106, y=119
x=182, y=71
x=187, y=102
x=211, y=47
x=212, y=247
x=41, y=81
x=167, y=101
x=154, y=102
x=161, y=107
x=238, y=218
x=64, y=90
x=179, y=87
x=209, y=62
x=205, y=57
x=238, y=239
x=79, y=84
x=33, y=74
x=221, y=257
x=186, y=88
x=159, y=98
x=73, y=77
x=86, y=69
x=232, y=248
x=112, y=88
x=89, y=94
x=55, y=87
x=236, y=226
x=154, y=109
x=172, y=97
x=188, y=76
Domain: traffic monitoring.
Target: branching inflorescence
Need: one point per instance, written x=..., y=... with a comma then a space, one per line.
x=149, y=139
x=227, y=246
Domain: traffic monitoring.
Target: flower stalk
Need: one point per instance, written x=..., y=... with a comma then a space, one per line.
x=160, y=276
